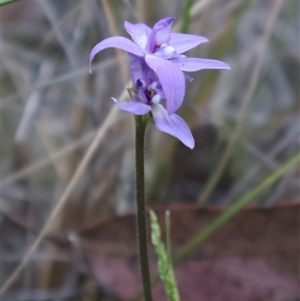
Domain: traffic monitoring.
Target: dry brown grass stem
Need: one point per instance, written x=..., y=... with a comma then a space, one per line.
x=141, y=9
x=245, y=104
x=46, y=161
x=109, y=121
x=114, y=31
x=51, y=35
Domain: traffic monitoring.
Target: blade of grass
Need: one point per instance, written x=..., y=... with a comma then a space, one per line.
x=270, y=155
x=193, y=11
x=5, y=2
x=186, y=15
x=168, y=236
x=234, y=209
x=164, y=265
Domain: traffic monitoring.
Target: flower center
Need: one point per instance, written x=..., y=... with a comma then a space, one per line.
x=152, y=93
x=149, y=95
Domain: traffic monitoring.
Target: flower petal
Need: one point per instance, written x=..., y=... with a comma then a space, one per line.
x=139, y=33
x=171, y=79
x=173, y=125
x=115, y=42
x=182, y=42
x=140, y=70
x=134, y=107
x=141, y=96
x=194, y=64
x=160, y=34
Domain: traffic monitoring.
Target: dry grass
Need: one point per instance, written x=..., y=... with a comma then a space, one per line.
x=67, y=152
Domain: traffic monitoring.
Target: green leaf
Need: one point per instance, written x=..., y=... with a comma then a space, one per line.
x=5, y=2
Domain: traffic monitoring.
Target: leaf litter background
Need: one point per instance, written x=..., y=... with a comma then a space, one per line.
x=52, y=110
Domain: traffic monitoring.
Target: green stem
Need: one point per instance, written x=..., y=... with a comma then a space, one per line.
x=140, y=128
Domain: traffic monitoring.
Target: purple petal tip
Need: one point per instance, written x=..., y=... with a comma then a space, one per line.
x=170, y=19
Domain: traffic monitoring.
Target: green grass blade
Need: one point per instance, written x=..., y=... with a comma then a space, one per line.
x=165, y=268
x=186, y=17
x=168, y=236
x=5, y=2
x=234, y=209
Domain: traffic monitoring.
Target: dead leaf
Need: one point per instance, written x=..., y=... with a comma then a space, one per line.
x=255, y=256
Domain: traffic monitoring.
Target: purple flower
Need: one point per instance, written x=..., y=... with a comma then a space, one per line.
x=162, y=52
x=146, y=96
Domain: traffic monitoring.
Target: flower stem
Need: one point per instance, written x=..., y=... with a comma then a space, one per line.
x=140, y=128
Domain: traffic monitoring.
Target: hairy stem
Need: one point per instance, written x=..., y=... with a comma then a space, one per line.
x=140, y=127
